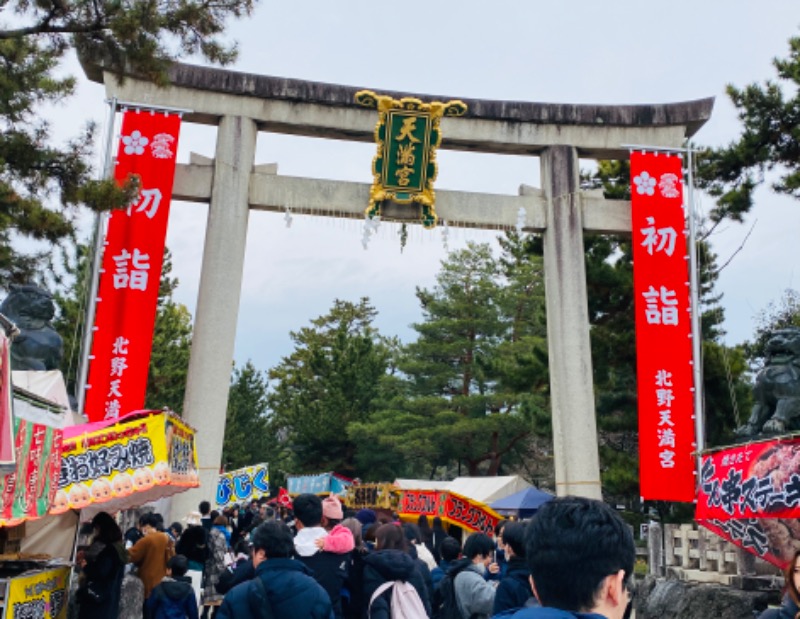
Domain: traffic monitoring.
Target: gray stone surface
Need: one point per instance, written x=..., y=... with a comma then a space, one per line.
x=575, y=448
x=217, y=310
x=675, y=599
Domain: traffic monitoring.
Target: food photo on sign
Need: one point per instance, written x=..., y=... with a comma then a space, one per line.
x=750, y=495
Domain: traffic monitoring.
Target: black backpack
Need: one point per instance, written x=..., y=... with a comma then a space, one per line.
x=444, y=596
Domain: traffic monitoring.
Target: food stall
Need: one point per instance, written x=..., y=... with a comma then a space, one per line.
x=34, y=570
x=454, y=509
x=123, y=463
x=320, y=483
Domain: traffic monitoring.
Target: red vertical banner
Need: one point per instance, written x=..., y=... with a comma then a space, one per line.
x=663, y=329
x=131, y=272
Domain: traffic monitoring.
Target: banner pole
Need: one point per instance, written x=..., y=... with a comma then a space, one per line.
x=694, y=288
x=97, y=255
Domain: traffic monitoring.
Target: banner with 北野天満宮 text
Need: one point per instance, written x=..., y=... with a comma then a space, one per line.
x=663, y=328
x=131, y=267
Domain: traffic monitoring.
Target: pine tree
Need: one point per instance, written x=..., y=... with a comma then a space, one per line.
x=247, y=435
x=770, y=141
x=42, y=185
x=330, y=380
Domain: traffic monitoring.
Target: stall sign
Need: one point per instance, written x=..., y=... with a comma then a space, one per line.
x=750, y=495
x=246, y=484
x=450, y=507
x=30, y=489
x=127, y=457
x=42, y=595
x=322, y=483
x=372, y=496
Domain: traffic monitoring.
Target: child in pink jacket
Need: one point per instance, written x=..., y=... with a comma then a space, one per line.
x=339, y=539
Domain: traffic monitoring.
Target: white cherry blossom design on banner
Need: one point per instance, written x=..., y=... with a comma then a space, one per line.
x=645, y=184
x=135, y=143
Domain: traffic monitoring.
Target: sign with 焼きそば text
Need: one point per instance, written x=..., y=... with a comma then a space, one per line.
x=407, y=135
x=663, y=328
x=131, y=267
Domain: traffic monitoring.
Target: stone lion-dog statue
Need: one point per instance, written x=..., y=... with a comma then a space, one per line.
x=38, y=346
x=777, y=389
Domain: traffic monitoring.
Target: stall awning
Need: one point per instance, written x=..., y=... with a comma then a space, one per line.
x=124, y=463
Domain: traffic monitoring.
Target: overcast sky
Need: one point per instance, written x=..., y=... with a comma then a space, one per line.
x=615, y=52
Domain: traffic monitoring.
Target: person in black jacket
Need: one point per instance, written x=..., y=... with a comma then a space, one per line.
x=283, y=587
x=102, y=569
x=328, y=568
x=390, y=562
x=514, y=590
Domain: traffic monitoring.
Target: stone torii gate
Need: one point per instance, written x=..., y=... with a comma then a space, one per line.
x=241, y=105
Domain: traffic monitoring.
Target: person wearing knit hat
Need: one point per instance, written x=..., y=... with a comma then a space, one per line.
x=332, y=509
x=366, y=517
x=340, y=539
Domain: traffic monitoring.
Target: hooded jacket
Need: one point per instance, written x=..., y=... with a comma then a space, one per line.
x=173, y=599
x=387, y=566
x=290, y=591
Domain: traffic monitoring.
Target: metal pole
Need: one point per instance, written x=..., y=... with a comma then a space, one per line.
x=99, y=226
x=694, y=291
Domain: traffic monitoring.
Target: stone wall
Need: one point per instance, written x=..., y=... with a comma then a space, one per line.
x=676, y=599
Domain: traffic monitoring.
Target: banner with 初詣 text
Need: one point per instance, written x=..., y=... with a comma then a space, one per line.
x=127, y=463
x=451, y=508
x=663, y=328
x=245, y=484
x=750, y=495
x=42, y=595
x=131, y=267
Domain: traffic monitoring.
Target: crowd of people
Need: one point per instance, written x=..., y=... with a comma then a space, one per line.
x=319, y=560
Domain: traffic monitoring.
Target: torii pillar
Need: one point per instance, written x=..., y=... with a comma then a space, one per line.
x=575, y=450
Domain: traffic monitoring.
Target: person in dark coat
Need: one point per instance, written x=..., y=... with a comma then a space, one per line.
x=329, y=569
x=390, y=562
x=354, y=585
x=514, y=590
x=173, y=597
x=283, y=587
x=450, y=550
x=102, y=569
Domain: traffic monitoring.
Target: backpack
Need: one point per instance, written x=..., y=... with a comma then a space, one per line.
x=405, y=603
x=444, y=599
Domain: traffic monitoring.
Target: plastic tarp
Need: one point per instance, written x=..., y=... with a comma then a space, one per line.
x=51, y=535
x=482, y=489
x=524, y=503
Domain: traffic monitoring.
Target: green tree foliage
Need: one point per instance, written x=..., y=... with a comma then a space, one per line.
x=330, y=380
x=770, y=140
x=43, y=184
x=779, y=314
x=247, y=434
x=172, y=340
x=472, y=382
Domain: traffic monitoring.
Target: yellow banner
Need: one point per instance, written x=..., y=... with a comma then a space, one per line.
x=125, y=458
x=42, y=595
